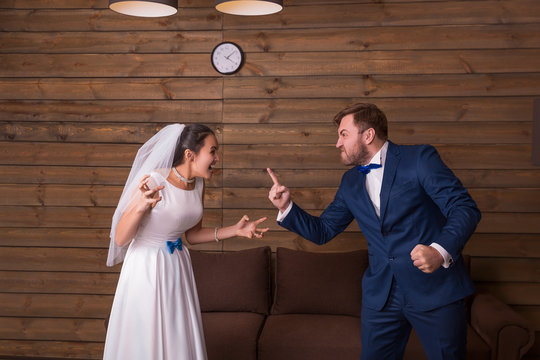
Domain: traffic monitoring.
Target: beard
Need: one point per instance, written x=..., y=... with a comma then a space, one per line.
x=358, y=156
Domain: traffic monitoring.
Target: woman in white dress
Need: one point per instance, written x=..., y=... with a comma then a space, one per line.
x=155, y=313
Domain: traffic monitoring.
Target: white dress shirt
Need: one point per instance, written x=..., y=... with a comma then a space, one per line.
x=373, y=187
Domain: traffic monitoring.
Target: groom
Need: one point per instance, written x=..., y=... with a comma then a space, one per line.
x=416, y=217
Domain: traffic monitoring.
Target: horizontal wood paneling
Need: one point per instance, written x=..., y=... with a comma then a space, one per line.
x=314, y=111
x=273, y=64
x=509, y=223
x=60, y=259
x=331, y=178
x=55, y=259
x=106, y=42
x=332, y=39
x=79, y=195
x=481, y=244
x=421, y=133
x=82, y=87
x=325, y=157
x=247, y=177
x=382, y=14
x=102, y=4
x=55, y=237
x=77, y=176
x=491, y=223
x=110, y=65
x=59, y=349
x=375, y=86
x=83, y=4
x=390, y=62
x=255, y=156
x=72, y=238
x=504, y=245
x=432, y=132
x=52, y=329
x=488, y=200
x=105, y=20
x=498, y=36
x=159, y=111
x=77, y=132
x=46, y=305
x=262, y=111
x=59, y=282
x=104, y=88
x=73, y=217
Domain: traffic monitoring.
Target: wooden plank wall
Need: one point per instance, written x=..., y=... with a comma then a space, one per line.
x=81, y=87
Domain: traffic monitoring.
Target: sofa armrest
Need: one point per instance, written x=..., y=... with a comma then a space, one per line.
x=506, y=332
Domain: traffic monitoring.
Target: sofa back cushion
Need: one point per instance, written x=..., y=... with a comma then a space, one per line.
x=233, y=281
x=319, y=283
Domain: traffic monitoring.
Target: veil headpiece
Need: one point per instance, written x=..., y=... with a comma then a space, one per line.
x=155, y=155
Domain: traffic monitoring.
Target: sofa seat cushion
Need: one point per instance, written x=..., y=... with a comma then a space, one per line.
x=232, y=335
x=233, y=281
x=310, y=337
x=319, y=283
x=477, y=349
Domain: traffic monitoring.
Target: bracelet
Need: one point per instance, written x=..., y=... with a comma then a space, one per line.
x=215, y=234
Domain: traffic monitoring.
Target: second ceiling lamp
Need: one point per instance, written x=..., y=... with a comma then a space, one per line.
x=249, y=7
x=158, y=8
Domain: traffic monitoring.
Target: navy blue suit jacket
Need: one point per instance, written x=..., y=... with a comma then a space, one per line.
x=422, y=202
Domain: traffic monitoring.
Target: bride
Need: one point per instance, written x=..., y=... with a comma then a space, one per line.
x=155, y=313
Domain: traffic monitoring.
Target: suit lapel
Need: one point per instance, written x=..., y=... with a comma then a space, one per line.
x=362, y=195
x=390, y=167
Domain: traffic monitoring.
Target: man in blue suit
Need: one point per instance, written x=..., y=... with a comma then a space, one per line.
x=416, y=216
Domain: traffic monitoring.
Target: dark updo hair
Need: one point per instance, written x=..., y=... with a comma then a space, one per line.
x=192, y=138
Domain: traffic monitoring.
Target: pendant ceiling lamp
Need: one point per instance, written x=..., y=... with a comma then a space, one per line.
x=145, y=8
x=249, y=7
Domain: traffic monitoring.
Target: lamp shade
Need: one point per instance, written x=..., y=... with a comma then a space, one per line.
x=145, y=8
x=249, y=7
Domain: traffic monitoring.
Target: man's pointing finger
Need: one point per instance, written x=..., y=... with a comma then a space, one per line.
x=273, y=176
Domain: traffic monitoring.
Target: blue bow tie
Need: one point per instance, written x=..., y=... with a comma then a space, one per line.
x=367, y=168
x=174, y=245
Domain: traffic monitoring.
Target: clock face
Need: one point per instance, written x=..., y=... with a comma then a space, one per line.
x=227, y=58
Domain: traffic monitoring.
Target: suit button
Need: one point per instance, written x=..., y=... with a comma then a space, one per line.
x=391, y=258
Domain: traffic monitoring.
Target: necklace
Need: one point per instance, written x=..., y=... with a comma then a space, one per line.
x=181, y=177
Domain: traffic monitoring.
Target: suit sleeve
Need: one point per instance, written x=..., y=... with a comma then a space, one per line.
x=320, y=230
x=445, y=189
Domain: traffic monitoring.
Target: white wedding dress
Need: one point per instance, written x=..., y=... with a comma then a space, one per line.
x=156, y=313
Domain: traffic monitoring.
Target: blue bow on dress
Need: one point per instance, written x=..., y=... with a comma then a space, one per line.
x=175, y=245
x=367, y=168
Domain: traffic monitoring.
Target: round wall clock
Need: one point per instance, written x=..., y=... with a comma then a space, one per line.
x=227, y=58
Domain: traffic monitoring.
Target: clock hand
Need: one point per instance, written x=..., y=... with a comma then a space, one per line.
x=227, y=57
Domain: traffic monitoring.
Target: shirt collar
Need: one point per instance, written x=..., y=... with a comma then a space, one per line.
x=380, y=156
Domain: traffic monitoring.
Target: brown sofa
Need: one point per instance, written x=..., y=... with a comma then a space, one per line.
x=309, y=308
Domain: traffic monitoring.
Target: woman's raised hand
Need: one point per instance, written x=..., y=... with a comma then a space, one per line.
x=150, y=192
x=249, y=229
